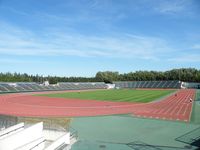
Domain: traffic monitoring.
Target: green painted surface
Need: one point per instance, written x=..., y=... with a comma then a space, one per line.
x=195, y=118
x=115, y=132
x=124, y=95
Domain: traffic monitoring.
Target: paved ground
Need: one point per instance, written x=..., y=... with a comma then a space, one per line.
x=195, y=118
x=128, y=133
x=174, y=107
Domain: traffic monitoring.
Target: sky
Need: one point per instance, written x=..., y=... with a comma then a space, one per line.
x=82, y=37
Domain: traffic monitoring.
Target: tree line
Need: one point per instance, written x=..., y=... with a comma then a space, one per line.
x=182, y=74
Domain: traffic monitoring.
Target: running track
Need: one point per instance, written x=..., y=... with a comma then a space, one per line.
x=172, y=107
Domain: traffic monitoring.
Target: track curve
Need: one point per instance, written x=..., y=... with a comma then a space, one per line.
x=174, y=107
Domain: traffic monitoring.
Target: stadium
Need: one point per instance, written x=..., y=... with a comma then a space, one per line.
x=179, y=105
x=163, y=102
x=99, y=75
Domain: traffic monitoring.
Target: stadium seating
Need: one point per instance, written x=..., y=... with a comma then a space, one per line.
x=82, y=85
x=32, y=86
x=148, y=84
x=190, y=85
x=4, y=87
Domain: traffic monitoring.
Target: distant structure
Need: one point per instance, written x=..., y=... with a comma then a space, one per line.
x=6, y=87
x=148, y=84
x=190, y=85
x=110, y=86
x=46, y=83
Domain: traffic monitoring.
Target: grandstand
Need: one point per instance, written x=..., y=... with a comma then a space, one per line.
x=34, y=137
x=27, y=133
x=60, y=86
x=191, y=85
x=148, y=84
x=33, y=87
x=82, y=85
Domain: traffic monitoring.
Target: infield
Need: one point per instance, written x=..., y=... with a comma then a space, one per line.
x=122, y=95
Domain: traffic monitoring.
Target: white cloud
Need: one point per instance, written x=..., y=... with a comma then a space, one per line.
x=196, y=46
x=173, y=6
x=18, y=61
x=16, y=41
x=186, y=58
x=117, y=46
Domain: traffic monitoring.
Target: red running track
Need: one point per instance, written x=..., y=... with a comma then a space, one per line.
x=173, y=107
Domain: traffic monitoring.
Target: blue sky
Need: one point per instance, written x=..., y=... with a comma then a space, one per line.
x=81, y=37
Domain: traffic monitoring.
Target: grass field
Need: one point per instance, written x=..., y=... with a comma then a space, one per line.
x=122, y=95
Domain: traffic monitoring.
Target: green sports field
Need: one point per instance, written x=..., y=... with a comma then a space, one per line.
x=121, y=95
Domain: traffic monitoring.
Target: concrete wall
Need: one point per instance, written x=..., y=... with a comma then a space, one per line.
x=52, y=135
x=11, y=130
x=38, y=144
x=65, y=139
x=22, y=137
